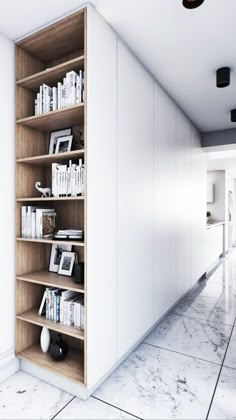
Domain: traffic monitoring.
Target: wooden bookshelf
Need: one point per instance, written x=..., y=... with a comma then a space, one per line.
x=52, y=280
x=55, y=120
x=45, y=57
x=71, y=368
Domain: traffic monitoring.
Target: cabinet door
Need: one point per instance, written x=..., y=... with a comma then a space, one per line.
x=135, y=200
x=165, y=202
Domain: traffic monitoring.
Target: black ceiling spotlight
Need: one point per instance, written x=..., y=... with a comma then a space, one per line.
x=192, y=4
x=223, y=77
x=233, y=115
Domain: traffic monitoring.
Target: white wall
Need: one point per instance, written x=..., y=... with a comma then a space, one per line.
x=7, y=203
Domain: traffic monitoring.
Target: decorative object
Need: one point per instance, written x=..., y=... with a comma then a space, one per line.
x=46, y=192
x=223, y=77
x=45, y=340
x=192, y=4
x=58, y=349
x=54, y=136
x=79, y=272
x=56, y=253
x=208, y=214
x=64, y=144
x=66, y=263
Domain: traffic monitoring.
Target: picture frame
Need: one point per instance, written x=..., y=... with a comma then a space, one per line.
x=54, y=135
x=66, y=263
x=56, y=254
x=64, y=144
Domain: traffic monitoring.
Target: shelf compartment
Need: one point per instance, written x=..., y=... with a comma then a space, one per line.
x=40, y=199
x=47, y=160
x=55, y=120
x=51, y=241
x=51, y=75
x=46, y=279
x=72, y=367
x=33, y=318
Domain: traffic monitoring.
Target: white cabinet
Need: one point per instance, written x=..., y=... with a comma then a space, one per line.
x=135, y=200
x=210, y=192
x=215, y=244
x=165, y=202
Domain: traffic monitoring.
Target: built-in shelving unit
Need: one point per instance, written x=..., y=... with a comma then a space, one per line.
x=46, y=57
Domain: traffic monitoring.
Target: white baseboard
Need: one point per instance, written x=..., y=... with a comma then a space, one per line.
x=9, y=365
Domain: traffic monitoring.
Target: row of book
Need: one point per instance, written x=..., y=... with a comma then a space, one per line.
x=37, y=222
x=68, y=180
x=63, y=306
x=66, y=93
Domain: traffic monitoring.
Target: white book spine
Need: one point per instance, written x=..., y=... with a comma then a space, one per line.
x=54, y=99
x=59, y=95
x=29, y=222
x=33, y=224
x=24, y=222
x=41, y=100
x=42, y=304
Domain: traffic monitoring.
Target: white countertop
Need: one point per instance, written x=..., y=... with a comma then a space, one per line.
x=214, y=224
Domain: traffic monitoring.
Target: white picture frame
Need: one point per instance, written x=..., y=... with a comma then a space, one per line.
x=54, y=135
x=66, y=263
x=56, y=254
x=64, y=144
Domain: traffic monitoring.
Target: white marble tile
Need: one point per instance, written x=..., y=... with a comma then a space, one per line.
x=91, y=409
x=24, y=397
x=224, y=402
x=210, y=309
x=230, y=359
x=194, y=337
x=221, y=292
x=158, y=384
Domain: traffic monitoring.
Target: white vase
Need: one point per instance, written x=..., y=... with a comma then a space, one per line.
x=45, y=339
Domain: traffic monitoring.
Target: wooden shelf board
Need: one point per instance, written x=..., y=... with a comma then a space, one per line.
x=33, y=318
x=52, y=74
x=46, y=160
x=81, y=198
x=51, y=241
x=72, y=367
x=53, y=280
x=55, y=120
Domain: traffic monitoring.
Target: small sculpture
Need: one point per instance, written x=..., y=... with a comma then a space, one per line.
x=46, y=192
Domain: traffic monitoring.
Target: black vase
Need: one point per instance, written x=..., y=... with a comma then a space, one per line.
x=79, y=272
x=58, y=349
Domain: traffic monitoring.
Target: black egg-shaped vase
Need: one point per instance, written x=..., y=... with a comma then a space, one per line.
x=58, y=349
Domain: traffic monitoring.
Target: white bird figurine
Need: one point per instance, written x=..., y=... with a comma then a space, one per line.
x=46, y=192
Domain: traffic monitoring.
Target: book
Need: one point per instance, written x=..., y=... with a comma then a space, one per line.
x=24, y=221
x=48, y=224
x=42, y=308
x=42, y=226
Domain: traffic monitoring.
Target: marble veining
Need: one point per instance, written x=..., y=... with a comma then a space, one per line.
x=154, y=383
x=24, y=397
x=217, y=291
x=194, y=337
x=91, y=409
x=230, y=359
x=224, y=402
x=212, y=310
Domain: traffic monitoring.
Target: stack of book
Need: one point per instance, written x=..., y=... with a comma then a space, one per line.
x=63, y=306
x=68, y=180
x=72, y=234
x=37, y=222
x=66, y=93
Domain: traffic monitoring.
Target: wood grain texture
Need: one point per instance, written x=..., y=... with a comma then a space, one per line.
x=26, y=335
x=30, y=142
x=50, y=241
x=33, y=318
x=26, y=64
x=41, y=200
x=46, y=279
x=55, y=120
x=56, y=40
x=51, y=75
x=47, y=160
x=71, y=368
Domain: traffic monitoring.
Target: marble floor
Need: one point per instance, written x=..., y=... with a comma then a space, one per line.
x=185, y=369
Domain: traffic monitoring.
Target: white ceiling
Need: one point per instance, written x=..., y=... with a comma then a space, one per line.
x=182, y=48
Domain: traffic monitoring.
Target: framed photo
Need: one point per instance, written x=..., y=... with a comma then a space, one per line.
x=66, y=263
x=54, y=136
x=64, y=144
x=56, y=254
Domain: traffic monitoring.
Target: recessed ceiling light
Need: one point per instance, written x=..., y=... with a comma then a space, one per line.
x=192, y=4
x=223, y=77
x=233, y=115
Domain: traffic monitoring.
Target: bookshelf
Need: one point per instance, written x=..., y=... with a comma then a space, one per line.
x=45, y=57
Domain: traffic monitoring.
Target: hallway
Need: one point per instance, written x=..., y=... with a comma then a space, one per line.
x=186, y=368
